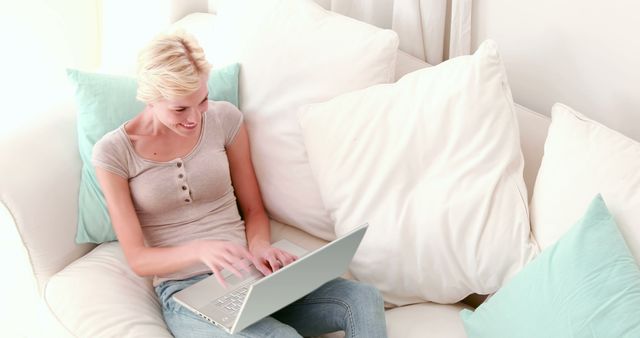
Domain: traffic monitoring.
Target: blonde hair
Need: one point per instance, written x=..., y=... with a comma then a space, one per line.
x=170, y=66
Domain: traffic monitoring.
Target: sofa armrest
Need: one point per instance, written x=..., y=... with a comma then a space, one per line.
x=39, y=182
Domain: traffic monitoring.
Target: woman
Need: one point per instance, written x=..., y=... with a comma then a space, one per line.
x=170, y=177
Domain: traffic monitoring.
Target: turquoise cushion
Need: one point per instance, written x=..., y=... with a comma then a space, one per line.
x=104, y=102
x=586, y=285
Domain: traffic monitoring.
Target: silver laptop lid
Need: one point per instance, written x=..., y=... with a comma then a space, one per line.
x=297, y=279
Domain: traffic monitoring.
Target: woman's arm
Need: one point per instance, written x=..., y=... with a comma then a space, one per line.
x=146, y=261
x=256, y=221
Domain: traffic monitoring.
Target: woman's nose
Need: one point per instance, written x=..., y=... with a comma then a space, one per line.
x=195, y=115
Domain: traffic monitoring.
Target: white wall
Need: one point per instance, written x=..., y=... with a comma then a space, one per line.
x=583, y=53
x=40, y=38
x=127, y=26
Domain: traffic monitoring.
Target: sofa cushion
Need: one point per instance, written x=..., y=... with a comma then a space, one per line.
x=100, y=296
x=105, y=102
x=433, y=163
x=293, y=53
x=582, y=158
x=426, y=320
x=587, y=284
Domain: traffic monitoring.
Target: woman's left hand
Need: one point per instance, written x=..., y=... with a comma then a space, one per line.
x=269, y=259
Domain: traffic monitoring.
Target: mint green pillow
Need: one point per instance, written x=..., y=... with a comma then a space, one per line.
x=104, y=102
x=585, y=285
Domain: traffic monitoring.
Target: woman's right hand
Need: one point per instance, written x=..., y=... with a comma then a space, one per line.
x=223, y=254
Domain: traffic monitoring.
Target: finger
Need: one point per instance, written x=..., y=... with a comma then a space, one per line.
x=281, y=258
x=274, y=263
x=230, y=267
x=286, y=258
x=245, y=265
x=243, y=254
x=237, y=263
x=262, y=267
x=218, y=276
x=289, y=255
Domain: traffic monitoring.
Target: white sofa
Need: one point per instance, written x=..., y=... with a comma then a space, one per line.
x=89, y=291
x=39, y=188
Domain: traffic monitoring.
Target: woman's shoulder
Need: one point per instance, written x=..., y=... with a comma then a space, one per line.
x=225, y=114
x=228, y=118
x=111, y=153
x=112, y=141
x=223, y=108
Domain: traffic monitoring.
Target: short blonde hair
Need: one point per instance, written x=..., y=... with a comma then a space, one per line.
x=170, y=66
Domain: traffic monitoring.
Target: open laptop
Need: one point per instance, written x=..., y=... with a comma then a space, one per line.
x=253, y=297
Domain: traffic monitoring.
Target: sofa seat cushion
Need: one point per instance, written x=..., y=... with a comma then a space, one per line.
x=426, y=320
x=100, y=296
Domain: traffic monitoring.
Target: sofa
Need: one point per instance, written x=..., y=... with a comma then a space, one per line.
x=85, y=290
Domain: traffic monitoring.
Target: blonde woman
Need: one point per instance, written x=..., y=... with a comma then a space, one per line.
x=171, y=176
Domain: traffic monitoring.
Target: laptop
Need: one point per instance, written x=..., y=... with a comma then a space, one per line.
x=254, y=296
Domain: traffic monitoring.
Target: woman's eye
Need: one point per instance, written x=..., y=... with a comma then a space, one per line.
x=179, y=109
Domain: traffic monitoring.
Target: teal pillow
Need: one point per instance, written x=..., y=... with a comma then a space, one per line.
x=586, y=285
x=104, y=102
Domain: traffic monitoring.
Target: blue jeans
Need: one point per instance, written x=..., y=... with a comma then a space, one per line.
x=340, y=304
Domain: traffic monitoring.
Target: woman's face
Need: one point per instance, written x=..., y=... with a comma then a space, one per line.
x=183, y=115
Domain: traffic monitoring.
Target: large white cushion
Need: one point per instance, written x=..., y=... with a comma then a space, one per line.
x=581, y=159
x=99, y=296
x=293, y=52
x=433, y=163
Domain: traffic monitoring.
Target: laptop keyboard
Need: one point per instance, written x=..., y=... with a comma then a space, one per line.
x=231, y=303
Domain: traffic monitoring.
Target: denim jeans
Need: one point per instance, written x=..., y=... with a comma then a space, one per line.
x=340, y=304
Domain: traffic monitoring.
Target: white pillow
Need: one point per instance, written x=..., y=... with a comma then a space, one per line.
x=99, y=296
x=433, y=163
x=294, y=52
x=581, y=159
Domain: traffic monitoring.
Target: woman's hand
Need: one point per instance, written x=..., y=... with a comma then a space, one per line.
x=268, y=259
x=223, y=254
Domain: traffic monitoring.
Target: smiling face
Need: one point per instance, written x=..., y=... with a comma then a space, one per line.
x=172, y=81
x=184, y=114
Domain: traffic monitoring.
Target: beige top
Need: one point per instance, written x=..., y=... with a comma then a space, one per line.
x=186, y=198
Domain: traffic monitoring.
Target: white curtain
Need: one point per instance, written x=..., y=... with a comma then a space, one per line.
x=431, y=30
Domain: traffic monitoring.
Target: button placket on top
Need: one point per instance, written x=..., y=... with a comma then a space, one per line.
x=182, y=182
